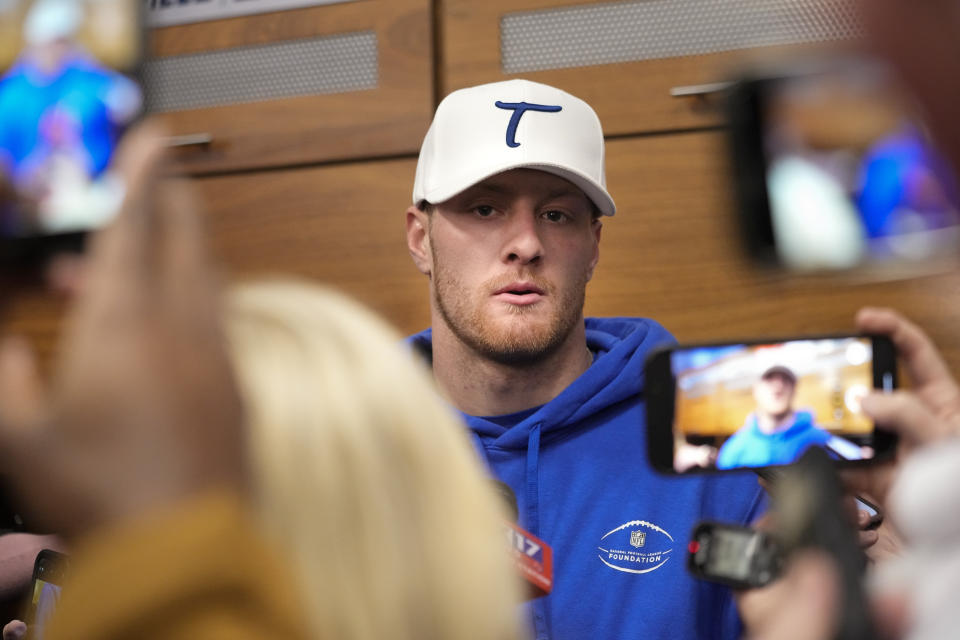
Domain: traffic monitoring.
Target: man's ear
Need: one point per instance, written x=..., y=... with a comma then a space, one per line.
x=595, y=230
x=418, y=239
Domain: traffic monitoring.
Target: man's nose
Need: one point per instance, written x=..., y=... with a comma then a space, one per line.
x=522, y=242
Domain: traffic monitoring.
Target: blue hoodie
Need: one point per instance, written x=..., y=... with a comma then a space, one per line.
x=619, y=531
x=750, y=447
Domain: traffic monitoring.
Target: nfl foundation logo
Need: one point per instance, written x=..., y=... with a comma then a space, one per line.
x=636, y=547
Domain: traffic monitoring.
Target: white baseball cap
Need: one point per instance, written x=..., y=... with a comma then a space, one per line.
x=481, y=131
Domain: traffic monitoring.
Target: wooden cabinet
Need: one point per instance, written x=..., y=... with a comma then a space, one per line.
x=341, y=224
x=384, y=47
x=625, y=57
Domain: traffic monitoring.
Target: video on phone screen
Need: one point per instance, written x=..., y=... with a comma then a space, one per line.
x=46, y=596
x=748, y=406
x=852, y=179
x=65, y=100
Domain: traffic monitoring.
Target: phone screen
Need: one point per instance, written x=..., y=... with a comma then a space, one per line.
x=66, y=97
x=48, y=572
x=851, y=177
x=738, y=406
x=46, y=596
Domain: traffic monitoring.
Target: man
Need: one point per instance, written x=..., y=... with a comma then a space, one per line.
x=506, y=221
x=774, y=433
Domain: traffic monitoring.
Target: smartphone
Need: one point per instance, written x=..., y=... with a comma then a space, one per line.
x=68, y=92
x=752, y=405
x=48, y=573
x=834, y=170
x=739, y=557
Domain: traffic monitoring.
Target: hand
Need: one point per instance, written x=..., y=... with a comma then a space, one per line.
x=143, y=410
x=14, y=630
x=866, y=528
x=800, y=605
x=929, y=411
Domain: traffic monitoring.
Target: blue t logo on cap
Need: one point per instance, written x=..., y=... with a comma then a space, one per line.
x=520, y=108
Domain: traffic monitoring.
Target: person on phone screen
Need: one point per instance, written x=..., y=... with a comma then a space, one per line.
x=775, y=432
x=61, y=113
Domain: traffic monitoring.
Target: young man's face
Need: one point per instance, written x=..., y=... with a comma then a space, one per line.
x=774, y=395
x=510, y=259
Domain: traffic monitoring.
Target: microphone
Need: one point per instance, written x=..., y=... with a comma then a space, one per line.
x=532, y=557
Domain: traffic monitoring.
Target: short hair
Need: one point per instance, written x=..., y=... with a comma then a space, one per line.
x=363, y=475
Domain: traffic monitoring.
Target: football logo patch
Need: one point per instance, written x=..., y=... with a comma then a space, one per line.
x=637, y=546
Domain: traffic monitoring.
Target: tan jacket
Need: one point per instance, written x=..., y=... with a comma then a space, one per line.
x=195, y=571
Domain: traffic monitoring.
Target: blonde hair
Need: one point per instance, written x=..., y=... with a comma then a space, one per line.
x=364, y=476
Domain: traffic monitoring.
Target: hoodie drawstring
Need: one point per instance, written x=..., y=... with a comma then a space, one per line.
x=533, y=480
x=533, y=521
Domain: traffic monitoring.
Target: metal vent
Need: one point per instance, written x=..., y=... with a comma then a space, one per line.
x=328, y=64
x=648, y=29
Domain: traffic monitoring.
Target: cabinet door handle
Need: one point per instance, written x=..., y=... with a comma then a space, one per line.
x=700, y=90
x=190, y=140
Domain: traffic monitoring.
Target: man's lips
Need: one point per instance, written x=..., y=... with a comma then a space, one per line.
x=519, y=293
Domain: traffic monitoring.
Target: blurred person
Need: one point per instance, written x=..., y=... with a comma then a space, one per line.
x=916, y=590
x=359, y=475
x=135, y=450
x=363, y=476
x=505, y=223
x=774, y=433
x=914, y=596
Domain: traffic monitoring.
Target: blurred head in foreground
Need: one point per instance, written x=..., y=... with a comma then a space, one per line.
x=363, y=476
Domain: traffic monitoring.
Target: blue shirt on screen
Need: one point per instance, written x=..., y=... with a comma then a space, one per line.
x=751, y=447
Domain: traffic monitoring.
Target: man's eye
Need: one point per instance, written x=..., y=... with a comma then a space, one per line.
x=556, y=216
x=483, y=210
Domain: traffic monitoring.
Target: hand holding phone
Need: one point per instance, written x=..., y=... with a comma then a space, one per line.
x=834, y=170
x=48, y=573
x=65, y=101
x=750, y=405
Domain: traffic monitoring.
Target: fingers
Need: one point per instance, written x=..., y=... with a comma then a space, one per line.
x=184, y=269
x=23, y=407
x=801, y=605
x=65, y=274
x=22, y=394
x=867, y=538
x=905, y=413
x=118, y=276
x=918, y=352
x=121, y=251
x=14, y=630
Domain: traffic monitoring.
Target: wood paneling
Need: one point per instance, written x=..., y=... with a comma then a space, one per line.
x=343, y=225
x=671, y=253
x=629, y=97
x=388, y=120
